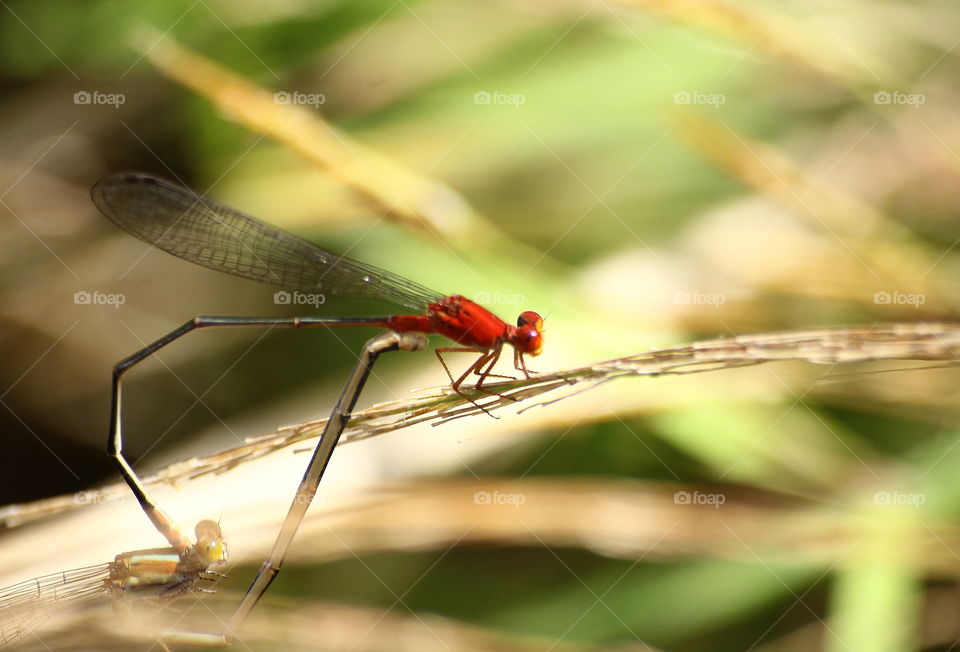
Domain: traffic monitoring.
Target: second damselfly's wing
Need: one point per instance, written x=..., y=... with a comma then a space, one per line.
x=210, y=234
x=25, y=606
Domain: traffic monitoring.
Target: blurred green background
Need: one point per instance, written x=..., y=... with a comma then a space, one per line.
x=642, y=173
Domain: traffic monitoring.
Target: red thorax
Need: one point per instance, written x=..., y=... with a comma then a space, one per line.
x=468, y=323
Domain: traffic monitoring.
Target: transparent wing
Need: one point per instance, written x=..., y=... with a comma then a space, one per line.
x=25, y=606
x=207, y=233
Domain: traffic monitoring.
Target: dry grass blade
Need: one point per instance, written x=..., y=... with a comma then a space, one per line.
x=314, y=625
x=930, y=342
x=872, y=247
x=836, y=346
x=773, y=35
x=619, y=519
x=388, y=187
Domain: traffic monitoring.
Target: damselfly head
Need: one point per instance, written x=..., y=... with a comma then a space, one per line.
x=528, y=337
x=211, y=547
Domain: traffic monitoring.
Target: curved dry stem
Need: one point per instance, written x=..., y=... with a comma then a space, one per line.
x=440, y=405
x=312, y=625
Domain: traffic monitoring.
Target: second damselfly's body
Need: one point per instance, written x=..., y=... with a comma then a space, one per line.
x=158, y=575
